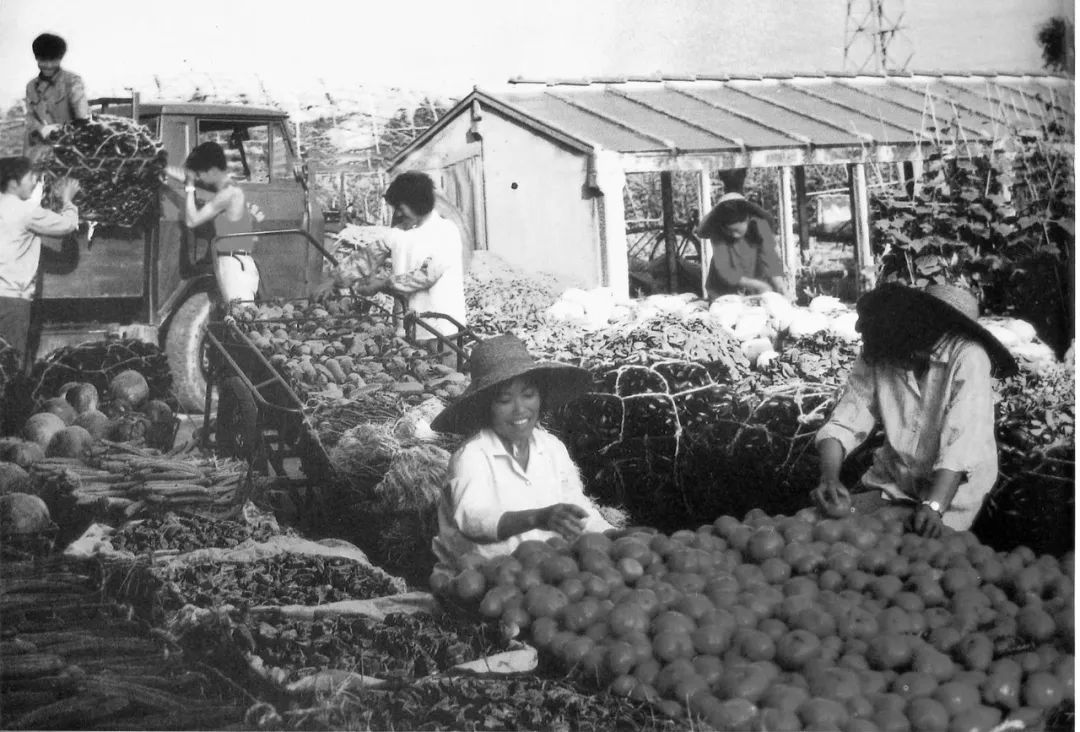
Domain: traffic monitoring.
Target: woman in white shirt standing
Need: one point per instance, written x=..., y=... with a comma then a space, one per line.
x=425, y=255
x=511, y=481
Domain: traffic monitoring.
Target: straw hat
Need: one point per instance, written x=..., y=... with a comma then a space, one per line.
x=953, y=303
x=496, y=361
x=709, y=225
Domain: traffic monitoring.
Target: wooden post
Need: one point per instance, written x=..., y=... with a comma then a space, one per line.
x=788, y=251
x=860, y=218
x=908, y=172
x=667, y=202
x=802, y=217
x=705, y=204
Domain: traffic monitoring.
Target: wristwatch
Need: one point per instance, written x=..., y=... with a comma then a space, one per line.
x=934, y=506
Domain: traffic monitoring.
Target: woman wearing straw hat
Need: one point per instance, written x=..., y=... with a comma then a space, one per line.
x=511, y=480
x=744, y=254
x=925, y=375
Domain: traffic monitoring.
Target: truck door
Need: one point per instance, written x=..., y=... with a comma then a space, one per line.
x=261, y=160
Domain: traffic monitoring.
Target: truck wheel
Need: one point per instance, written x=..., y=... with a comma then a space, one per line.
x=237, y=420
x=185, y=349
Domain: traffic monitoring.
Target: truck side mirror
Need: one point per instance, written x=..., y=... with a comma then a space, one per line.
x=300, y=172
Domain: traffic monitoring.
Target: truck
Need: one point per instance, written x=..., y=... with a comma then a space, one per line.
x=154, y=281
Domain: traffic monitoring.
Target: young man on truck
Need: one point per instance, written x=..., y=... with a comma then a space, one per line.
x=55, y=96
x=234, y=267
x=21, y=229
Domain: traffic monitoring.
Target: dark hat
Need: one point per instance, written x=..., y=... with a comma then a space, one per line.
x=728, y=205
x=952, y=303
x=501, y=359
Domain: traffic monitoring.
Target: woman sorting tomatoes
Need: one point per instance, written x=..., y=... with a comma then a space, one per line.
x=511, y=480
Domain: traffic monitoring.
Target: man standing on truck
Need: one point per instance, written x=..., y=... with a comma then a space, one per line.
x=21, y=229
x=234, y=267
x=55, y=96
x=425, y=256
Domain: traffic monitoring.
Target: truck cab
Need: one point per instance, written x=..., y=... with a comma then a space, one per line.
x=154, y=281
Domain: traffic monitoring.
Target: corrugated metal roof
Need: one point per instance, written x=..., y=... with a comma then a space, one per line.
x=732, y=114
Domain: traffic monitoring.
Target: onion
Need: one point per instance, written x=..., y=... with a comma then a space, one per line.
x=41, y=428
x=130, y=386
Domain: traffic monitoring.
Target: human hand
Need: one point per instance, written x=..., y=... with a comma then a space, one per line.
x=175, y=172
x=925, y=521
x=67, y=188
x=48, y=131
x=565, y=519
x=370, y=287
x=832, y=498
x=325, y=289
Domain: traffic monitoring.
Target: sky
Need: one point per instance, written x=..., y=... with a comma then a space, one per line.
x=446, y=47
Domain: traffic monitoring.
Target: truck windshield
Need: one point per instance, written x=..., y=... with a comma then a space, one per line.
x=256, y=150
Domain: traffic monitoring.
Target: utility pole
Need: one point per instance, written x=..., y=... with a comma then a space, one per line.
x=875, y=37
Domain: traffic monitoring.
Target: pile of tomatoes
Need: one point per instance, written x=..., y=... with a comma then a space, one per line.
x=796, y=622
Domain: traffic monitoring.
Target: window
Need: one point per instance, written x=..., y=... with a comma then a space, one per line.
x=248, y=147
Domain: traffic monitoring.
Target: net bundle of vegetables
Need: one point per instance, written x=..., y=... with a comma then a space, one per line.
x=117, y=162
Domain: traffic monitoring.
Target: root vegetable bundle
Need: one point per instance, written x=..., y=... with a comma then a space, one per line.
x=117, y=482
x=389, y=487
x=67, y=661
x=118, y=164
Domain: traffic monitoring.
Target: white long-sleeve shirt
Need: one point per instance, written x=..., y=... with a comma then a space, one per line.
x=426, y=268
x=22, y=224
x=485, y=482
x=946, y=422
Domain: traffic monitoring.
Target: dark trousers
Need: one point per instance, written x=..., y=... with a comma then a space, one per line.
x=16, y=401
x=15, y=323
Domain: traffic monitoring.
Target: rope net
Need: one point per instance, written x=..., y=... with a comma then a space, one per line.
x=672, y=441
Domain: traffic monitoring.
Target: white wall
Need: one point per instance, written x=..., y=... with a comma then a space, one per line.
x=538, y=219
x=545, y=223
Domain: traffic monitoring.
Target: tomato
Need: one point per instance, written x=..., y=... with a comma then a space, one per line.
x=545, y=601
x=670, y=645
x=976, y=719
x=621, y=658
x=557, y=568
x=749, y=682
x=928, y=714
x=628, y=617
x=795, y=648
x=1042, y=690
x=823, y=714
x=469, y=585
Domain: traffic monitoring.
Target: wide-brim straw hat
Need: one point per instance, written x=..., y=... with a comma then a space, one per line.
x=953, y=303
x=710, y=226
x=496, y=361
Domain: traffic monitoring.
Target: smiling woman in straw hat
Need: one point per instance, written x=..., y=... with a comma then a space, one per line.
x=925, y=375
x=511, y=480
x=744, y=254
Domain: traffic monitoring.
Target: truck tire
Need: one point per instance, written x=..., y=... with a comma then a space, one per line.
x=184, y=349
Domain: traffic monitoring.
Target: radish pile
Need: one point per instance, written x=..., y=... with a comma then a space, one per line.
x=337, y=350
x=791, y=623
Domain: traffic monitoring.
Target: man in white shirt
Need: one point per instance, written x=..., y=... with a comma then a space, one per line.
x=21, y=228
x=425, y=257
